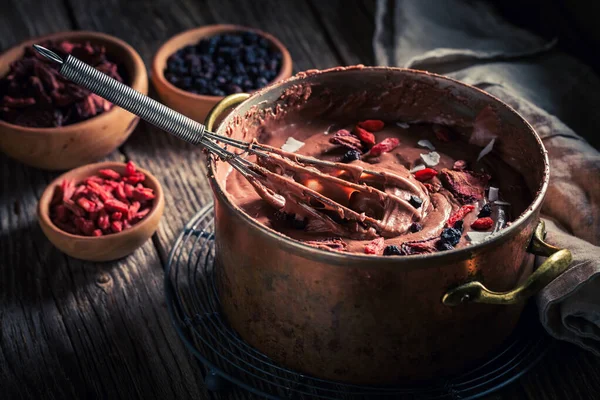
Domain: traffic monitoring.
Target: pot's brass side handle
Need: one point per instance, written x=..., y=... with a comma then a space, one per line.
x=228, y=101
x=557, y=263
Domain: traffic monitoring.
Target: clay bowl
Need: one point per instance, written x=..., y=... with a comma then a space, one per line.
x=193, y=105
x=108, y=247
x=78, y=144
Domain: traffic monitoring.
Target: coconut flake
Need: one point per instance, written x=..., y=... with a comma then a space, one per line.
x=426, y=144
x=476, y=237
x=292, y=145
x=501, y=203
x=403, y=125
x=493, y=194
x=431, y=159
x=486, y=149
x=417, y=168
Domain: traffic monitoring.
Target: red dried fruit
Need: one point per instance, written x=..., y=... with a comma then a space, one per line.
x=128, y=190
x=133, y=209
x=103, y=221
x=129, y=168
x=67, y=188
x=419, y=246
x=97, y=232
x=375, y=247
x=95, y=179
x=116, y=226
x=109, y=174
x=99, y=191
x=120, y=192
x=116, y=216
x=425, y=174
x=85, y=226
x=134, y=178
x=112, y=205
x=13, y=102
x=386, y=145
x=459, y=215
x=141, y=214
x=60, y=213
x=366, y=137
x=482, y=224
x=143, y=194
x=442, y=133
x=74, y=208
x=344, y=138
x=86, y=204
x=372, y=125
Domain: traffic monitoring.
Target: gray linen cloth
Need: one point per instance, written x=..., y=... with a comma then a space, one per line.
x=556, y=93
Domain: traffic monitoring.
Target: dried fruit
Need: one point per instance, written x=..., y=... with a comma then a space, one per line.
x=372, y=125
x=451, y=236
x=415, y=227
x=444, y=246
x=392, y=250
x=460, y=214
x=91, y=209
x=425, y=174
x=34, y=94
x=385, y=146
x=351, y=155
x=415, y=201
x=459, y=165
x=459, y=225
x=375, y=247
x=366, y=137
x=482, y=224
x=485, y=211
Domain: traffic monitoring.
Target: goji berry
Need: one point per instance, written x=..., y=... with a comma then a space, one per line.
x=110, y=174
x=425, y=174
x=112, y=205
x=120, y=192
x=128, y=190
x=372, y=125
x=99, y=191
x=459, y=215
x=74, y=208
x=68, y=189
x=116, y=226
x=143, y=194
x=141, y=214
x=386, y=145
x=129, y=168
x=97, y=232
x=60, y=213
x=134, y=178
x=375, y=247
x=482, y=224
x=366, y=137
x=133, y=209
x=116, y=216
x=86, y=204
x=103, y=221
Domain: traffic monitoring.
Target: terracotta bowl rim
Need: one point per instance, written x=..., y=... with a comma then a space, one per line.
x=43, y=211
x=417, y=260
x=137, y=76
x=211, y=30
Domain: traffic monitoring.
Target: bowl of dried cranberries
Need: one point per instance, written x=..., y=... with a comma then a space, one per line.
x=194, y=70
x=49, y=122
x=102, y=211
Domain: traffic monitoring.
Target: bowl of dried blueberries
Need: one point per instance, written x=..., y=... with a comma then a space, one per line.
x=49, y=122
x=197, y=68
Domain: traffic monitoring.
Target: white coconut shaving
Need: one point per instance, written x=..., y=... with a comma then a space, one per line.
x=476, y=237
x=501, y=203
x=426, y=144
x=292, y=145
x=486, y=149
x=493, y=194
x=403, y=125
x=417, y=168
x=431, y=159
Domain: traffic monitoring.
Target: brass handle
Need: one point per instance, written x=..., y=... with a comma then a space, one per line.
x=228, y=101
x=557, y=263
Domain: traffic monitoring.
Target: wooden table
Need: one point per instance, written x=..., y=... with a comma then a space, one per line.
x=73, y=329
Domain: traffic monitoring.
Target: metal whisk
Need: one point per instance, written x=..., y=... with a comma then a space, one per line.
x=196, y=133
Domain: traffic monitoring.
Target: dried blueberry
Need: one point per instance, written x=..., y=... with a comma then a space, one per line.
x=351, y=155
x=261, y=82
x=459, y=225
x=451, y=236
x=486, y=211
x=392, y=250
x=415, y=227
x=443, y=246
x=415, y=201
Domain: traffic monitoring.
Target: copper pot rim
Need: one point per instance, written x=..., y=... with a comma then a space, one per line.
x=357, y=259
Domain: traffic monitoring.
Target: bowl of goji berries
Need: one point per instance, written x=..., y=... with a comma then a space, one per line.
x=195, y=69
x=49, y=122
x=102, y=211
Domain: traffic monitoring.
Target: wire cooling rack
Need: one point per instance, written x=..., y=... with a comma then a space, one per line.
x=194, y=307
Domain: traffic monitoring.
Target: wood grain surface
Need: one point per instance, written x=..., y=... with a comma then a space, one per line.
x=71, y=329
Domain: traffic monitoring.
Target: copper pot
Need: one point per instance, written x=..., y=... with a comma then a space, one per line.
x=370, y=319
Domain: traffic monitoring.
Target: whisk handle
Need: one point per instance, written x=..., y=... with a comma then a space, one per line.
x=131, y=100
